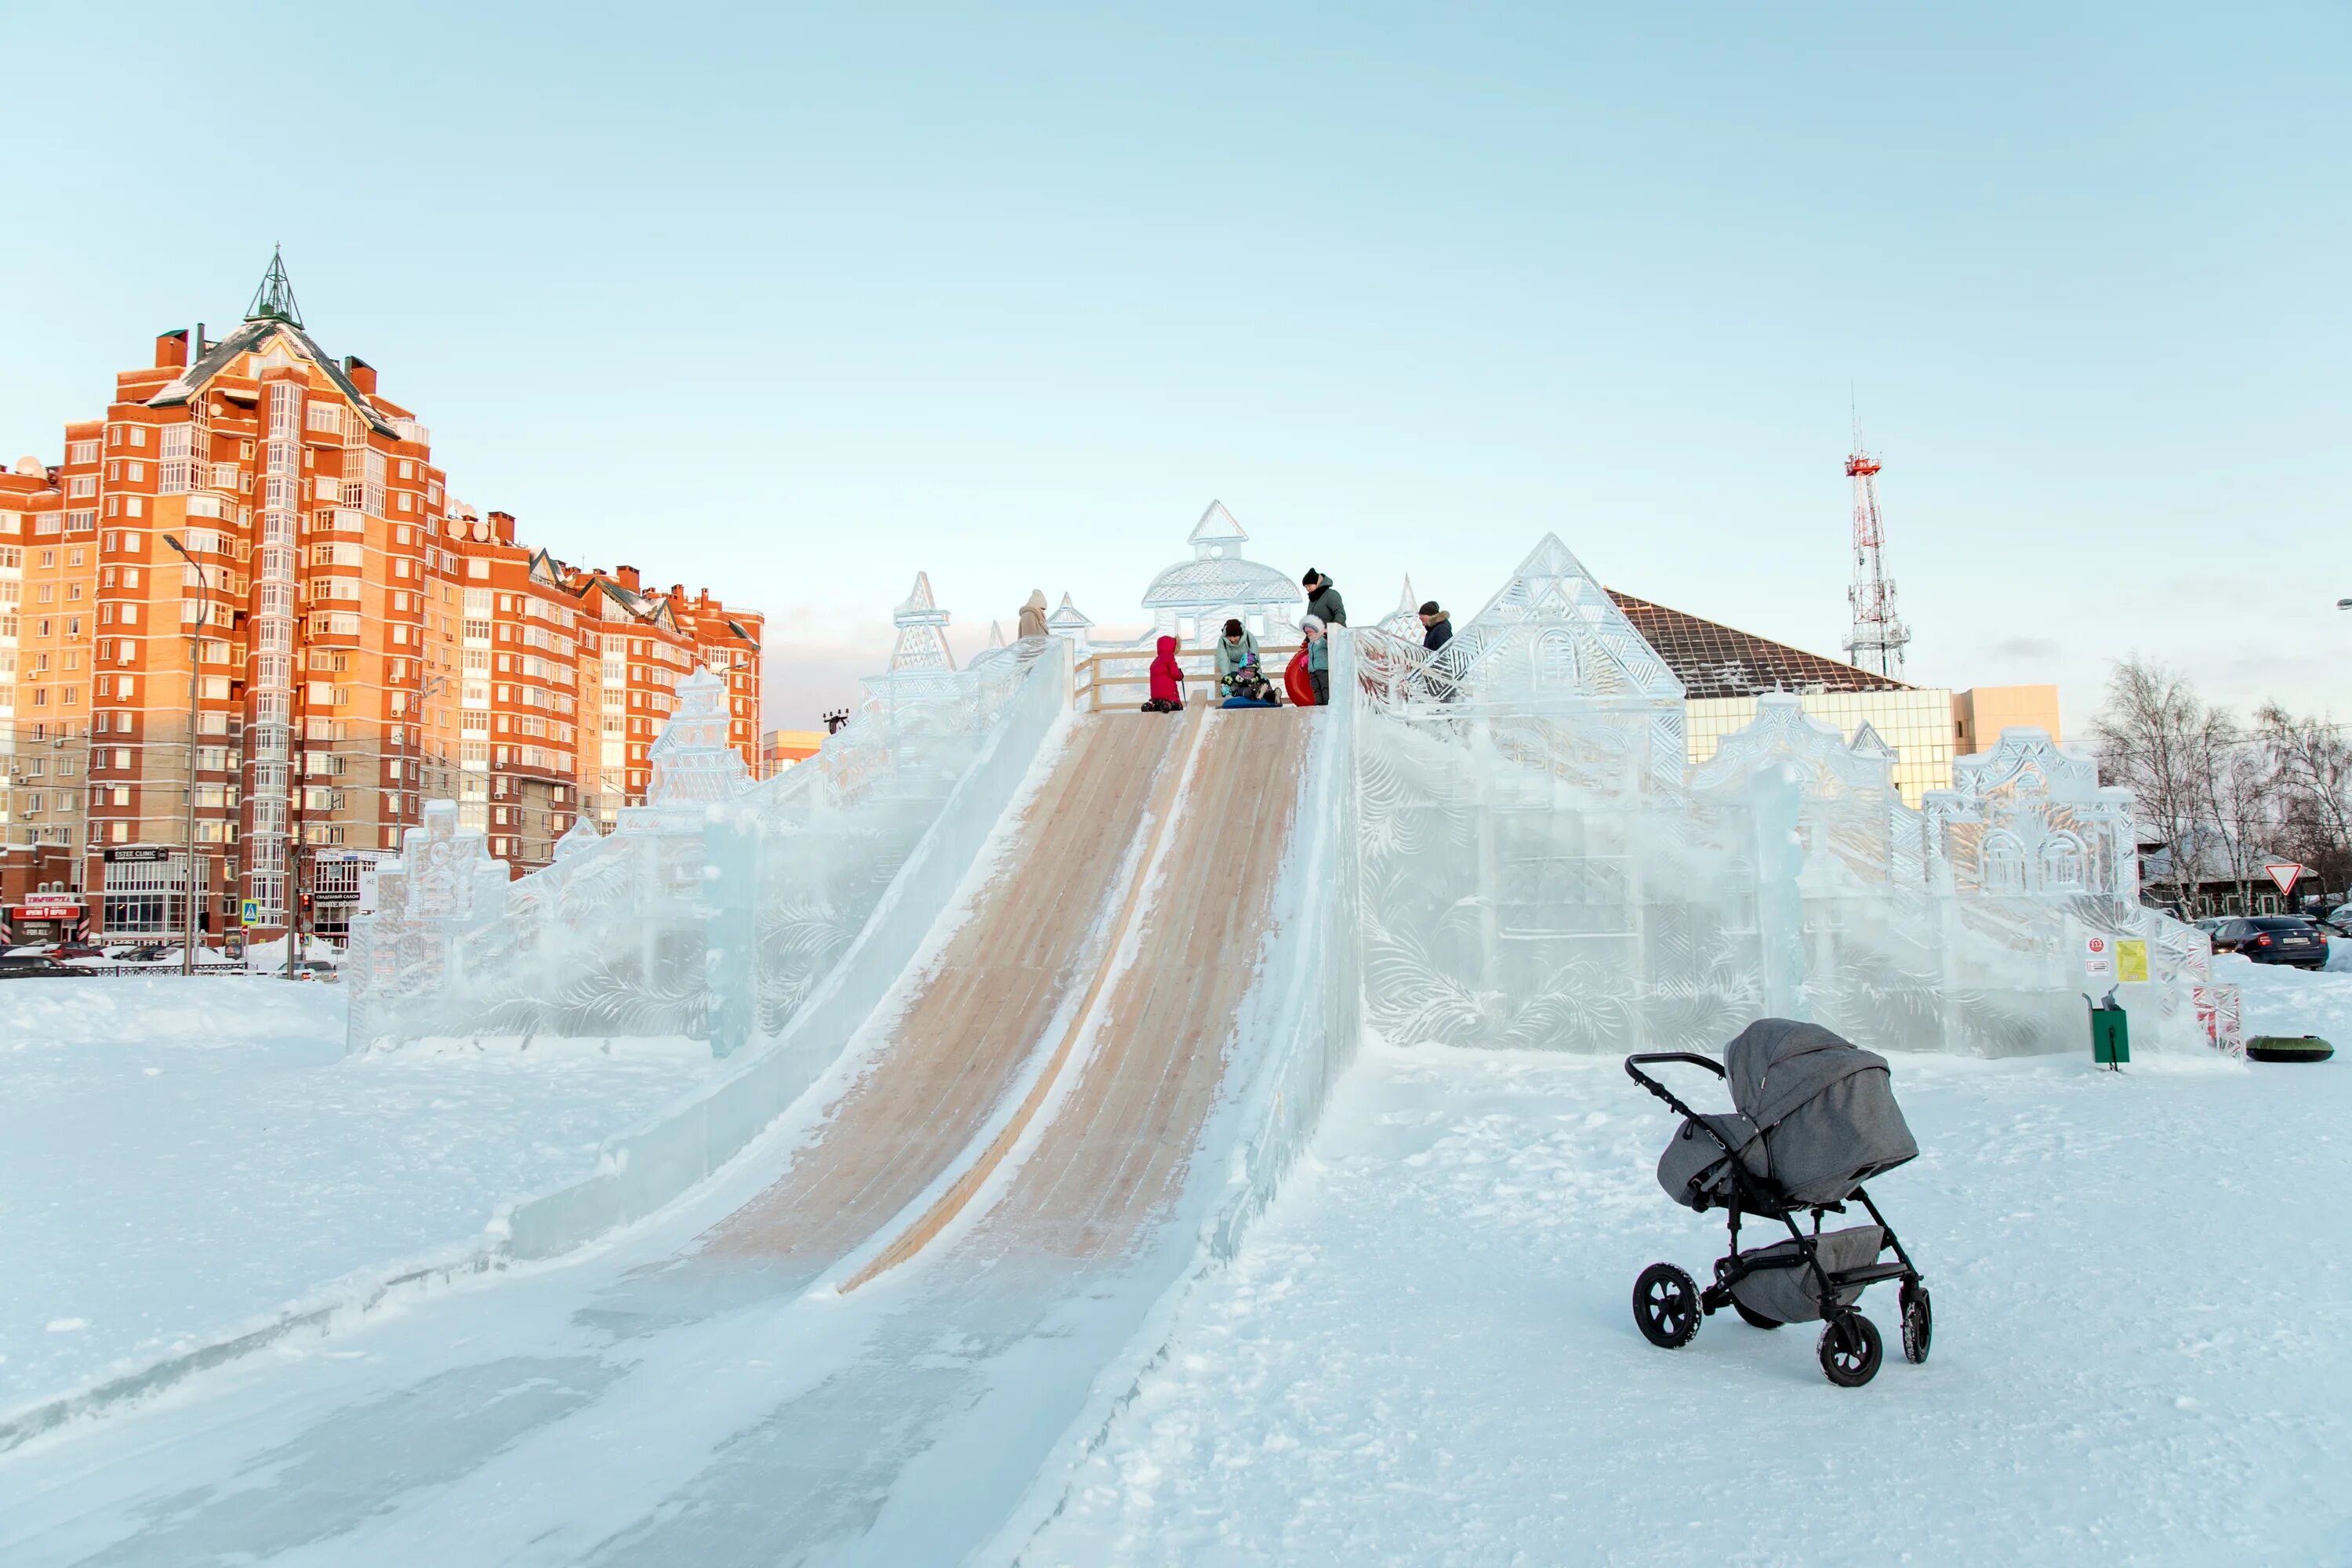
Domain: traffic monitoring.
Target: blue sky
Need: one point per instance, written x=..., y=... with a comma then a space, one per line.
x=790, y=301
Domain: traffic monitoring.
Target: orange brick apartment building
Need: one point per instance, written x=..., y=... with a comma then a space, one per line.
x=256, y=511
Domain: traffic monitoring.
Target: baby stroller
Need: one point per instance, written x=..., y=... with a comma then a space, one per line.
x=1813, y=1118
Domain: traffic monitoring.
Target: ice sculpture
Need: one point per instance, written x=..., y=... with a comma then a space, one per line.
x=713, y=911
x=1540, y=868
x=1192, y=599
x=1069, y=621
x=922, y=631
x=1403, y=623
x=1537, y=865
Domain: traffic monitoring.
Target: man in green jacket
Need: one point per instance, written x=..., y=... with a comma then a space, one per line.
x=1323, y=599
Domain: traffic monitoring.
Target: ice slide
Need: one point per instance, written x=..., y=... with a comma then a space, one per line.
x=878, y=1343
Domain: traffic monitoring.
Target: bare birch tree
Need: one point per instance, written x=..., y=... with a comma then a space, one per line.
x=2310, y=767
x=2156, y=738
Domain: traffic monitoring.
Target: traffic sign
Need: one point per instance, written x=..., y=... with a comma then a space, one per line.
x=251, y=914
x=2285, y=873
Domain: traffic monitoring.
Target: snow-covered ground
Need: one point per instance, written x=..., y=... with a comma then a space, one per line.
x=179, y=1155
x=1424, y=1353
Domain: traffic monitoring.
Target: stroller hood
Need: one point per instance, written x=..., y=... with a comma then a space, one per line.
x=1825, y=1107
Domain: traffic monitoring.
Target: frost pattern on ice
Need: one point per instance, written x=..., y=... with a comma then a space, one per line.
x=713, y=911
x=1541, y=868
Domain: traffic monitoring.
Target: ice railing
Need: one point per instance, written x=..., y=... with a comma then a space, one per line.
x=1309, y=1007
x=713, y=911
x=1540, y=867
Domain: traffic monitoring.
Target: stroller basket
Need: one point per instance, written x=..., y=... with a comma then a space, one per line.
x=1781, y=1288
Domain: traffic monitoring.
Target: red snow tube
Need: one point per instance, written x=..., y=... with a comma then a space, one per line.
x=1297, y=683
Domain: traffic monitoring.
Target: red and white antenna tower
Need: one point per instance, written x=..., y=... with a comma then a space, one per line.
x=1879, y=635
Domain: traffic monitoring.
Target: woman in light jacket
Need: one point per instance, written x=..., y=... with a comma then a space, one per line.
x=1236, y=650
x=1033, y=615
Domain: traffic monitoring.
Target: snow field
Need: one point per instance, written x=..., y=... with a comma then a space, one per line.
x=181, y=1155
x=1424, y=1351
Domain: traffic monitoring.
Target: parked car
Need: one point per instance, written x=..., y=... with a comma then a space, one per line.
x=2213, y=924
x=2274, y=939
x=29, y=966
x=65, y=950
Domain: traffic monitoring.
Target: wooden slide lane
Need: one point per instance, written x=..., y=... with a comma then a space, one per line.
x=1032, y=937
x=1116, y=1144
x=1117, y=1155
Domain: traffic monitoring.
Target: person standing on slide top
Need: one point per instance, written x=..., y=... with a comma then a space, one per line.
x=1437, y=626
x=1323, y=599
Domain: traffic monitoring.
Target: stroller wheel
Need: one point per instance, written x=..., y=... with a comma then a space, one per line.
x=1919, y=1323
x=1752, y=1319
x=1851, y=1349
x=1665, y=1305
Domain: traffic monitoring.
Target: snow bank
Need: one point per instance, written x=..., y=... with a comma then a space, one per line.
x=179, y=1155
x=202, y=1012
x=1423, y=1352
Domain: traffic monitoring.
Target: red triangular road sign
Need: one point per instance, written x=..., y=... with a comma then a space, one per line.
x=2285, y=873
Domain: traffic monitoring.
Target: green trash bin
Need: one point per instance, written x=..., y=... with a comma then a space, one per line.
x=2110, y=1033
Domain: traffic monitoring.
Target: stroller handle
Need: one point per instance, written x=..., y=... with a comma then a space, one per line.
x=1635, y=1064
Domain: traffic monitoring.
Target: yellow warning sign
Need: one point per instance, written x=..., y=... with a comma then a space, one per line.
x=2131, y=961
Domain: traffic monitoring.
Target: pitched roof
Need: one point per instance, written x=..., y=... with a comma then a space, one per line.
x=1714, y=661
x=248, y=338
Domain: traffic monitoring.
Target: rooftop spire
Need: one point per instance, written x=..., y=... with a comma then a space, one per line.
x=274, y=300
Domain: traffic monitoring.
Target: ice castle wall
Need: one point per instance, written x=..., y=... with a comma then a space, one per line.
x=1540, y=869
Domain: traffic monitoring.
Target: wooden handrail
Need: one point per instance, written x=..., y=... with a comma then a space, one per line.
x=1093, y=672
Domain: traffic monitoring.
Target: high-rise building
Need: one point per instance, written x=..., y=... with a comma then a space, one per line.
x=244, y=617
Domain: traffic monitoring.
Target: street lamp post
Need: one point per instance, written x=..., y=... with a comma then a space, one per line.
x=195, y=649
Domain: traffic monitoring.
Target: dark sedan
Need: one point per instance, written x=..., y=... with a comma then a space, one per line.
x=2274, y=939
x=33, y=965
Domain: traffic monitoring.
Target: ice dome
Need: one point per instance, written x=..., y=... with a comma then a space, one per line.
x=1193, y=598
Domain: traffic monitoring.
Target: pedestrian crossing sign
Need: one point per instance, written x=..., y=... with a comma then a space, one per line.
x=251, y=914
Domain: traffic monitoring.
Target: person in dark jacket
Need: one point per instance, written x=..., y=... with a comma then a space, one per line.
x=1167, y=680
x=1437, y=627
x=1323, y=599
